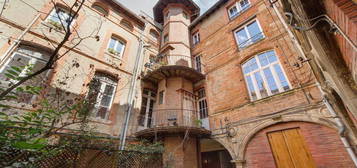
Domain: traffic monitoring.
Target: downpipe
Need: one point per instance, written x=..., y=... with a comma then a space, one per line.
x=340, y=125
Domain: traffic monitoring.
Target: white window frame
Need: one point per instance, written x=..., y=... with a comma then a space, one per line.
x=54, y=14
x=239, y=9
x=115, y=46
x=196, y=38
x=245, y=27
x=103, y=84
x=33, y=60
x=149, y=98
x=260, y=70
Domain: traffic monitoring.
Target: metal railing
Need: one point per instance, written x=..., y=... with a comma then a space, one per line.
x=166, y=60
x=175, y=117
x=257, y=37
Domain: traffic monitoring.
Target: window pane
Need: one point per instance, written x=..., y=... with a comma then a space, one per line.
x=254, y=32
x=18, y=61
x=119, y=47
x=242, y=38
x=112, y=43
x=102, y=112
x=109, y=90
x=271, y=56
x=271, y=82
x=281, y=76
x=106, y=100
x=233, y=11
x=244, y=4
x=263, y=60
x=251, y=88
x=260, y=84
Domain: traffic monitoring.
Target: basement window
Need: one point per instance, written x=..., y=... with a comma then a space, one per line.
x=264, y=76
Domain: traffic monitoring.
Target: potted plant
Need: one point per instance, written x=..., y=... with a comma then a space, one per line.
x=198, y=123
x=112, y=51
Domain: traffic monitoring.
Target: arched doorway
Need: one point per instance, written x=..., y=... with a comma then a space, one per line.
x=296, y=144
x=214, y=155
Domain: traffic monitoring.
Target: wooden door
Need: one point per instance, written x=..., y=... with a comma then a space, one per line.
x=289, y=149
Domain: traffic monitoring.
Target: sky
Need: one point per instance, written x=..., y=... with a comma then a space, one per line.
x=147, y=5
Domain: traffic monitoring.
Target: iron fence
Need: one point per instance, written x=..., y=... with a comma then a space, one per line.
x=79, y=158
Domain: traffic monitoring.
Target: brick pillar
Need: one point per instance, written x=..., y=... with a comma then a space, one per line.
x=180, y=155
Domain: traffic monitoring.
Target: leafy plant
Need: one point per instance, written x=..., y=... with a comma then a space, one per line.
x=55, y=24
x=114, y=52
x=198, y=123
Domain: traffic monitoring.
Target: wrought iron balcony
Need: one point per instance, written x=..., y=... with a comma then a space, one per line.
x=165, y=66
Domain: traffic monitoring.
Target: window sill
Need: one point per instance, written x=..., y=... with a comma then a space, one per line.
x=114, y=56
x=49, y=25
x=272, y=96
x=100, y=121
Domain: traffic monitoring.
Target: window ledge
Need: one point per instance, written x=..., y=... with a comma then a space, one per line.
x=49, y=25
x=114, y=56
x=290, y=91
x=100, y=121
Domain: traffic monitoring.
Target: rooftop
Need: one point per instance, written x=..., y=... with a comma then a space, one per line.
x=161, y=4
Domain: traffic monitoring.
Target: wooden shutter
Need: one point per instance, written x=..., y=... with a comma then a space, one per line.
x=289, y=149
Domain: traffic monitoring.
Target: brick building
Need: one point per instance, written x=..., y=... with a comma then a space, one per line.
x=249, y=83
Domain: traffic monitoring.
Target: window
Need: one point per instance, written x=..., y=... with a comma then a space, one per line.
x=161, y=97
x=197, y=63
x=116, y=47
x=202, y=104
x=238, y=8
x=101, y=92
x=249, y=34
x=100, y=9
x=154, y=34
x=26, y=60
x=196, y=38
x=59, y=17
x=147, y=106
x=185, y=15
x=166, y=38
x=127, y=24
x=264, y=76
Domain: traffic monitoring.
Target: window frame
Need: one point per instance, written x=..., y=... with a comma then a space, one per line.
x=33, y=59
x=196, y=39
x=239, y=8
x=99, y=97
x=101, y=10
x=151, y=96
x=204, y=100
x=260, y=70
x=53, y=13
x=249, y=38
x=200, y=68
x=161, y=98
x=164, y=39
x=118, y=40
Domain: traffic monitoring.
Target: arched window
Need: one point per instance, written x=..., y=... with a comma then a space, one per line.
x=101, y=94
x=100, y=9
x=127, y=24
x=154, y=34
x=24, y=61
x=264, y=76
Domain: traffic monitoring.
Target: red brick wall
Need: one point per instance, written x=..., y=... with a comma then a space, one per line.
x=344, y=13
x=323, y=142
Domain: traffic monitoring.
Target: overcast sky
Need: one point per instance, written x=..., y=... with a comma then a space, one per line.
x=147, y=5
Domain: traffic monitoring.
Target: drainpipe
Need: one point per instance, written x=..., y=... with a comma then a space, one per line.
x=340, y=125
x=18, y=40
x=132, y=91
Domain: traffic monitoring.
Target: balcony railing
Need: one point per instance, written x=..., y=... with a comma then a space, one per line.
x=175, y=117
x=166, y=60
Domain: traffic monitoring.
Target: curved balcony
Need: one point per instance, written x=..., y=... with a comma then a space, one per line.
x=174, y=121
x=167, y=66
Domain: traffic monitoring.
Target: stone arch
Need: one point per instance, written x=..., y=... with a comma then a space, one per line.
x=292, y=118
x=230, y=149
